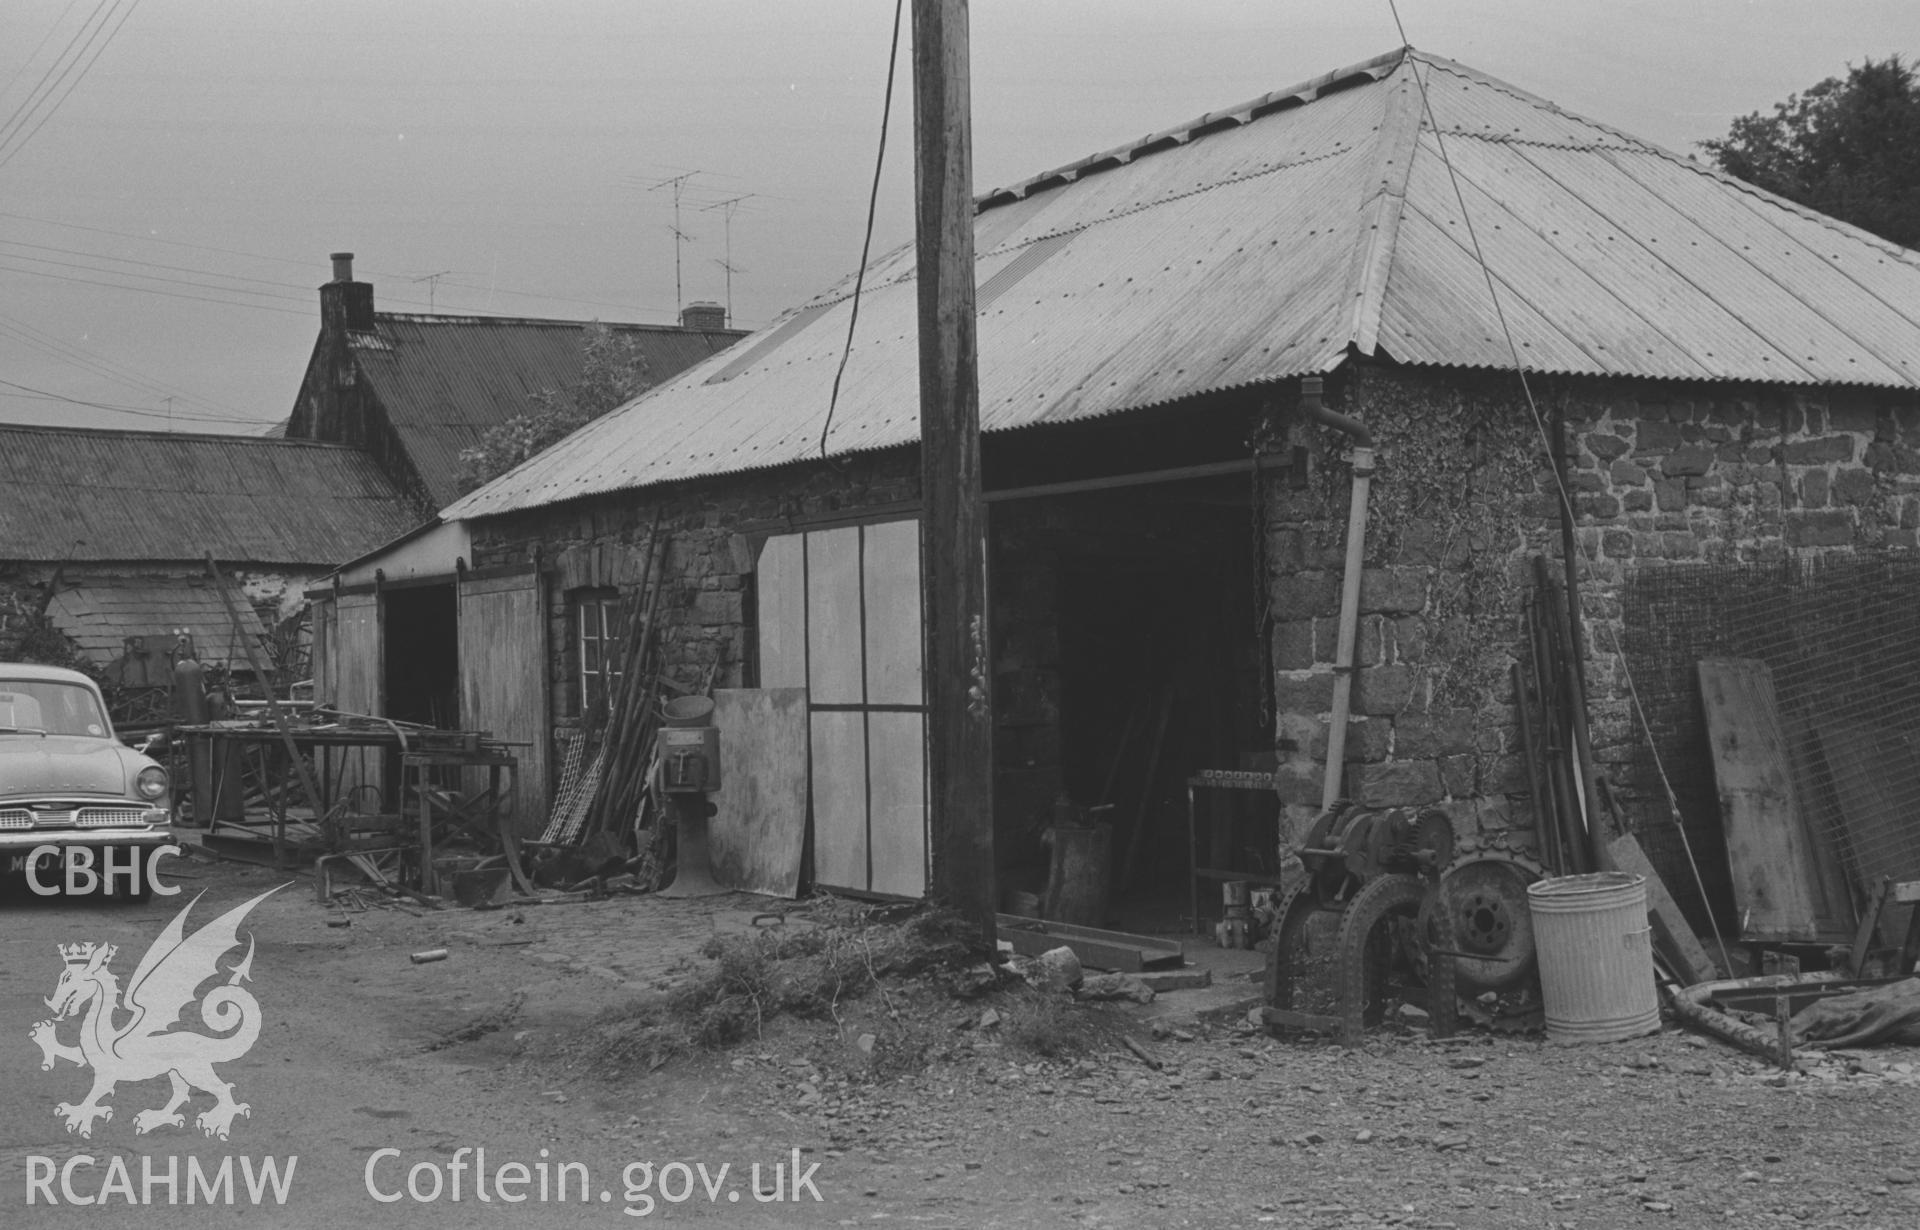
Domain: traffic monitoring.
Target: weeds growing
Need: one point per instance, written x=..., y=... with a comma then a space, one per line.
x=827, y=970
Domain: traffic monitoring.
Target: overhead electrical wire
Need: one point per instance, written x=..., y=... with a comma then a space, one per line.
x=47, y=113
x=128, y=260
x=515, y=292
x=93, y=364
x=154, y=277
x=37, y=49
x=173, y=243
x=48, y=81
x=1565, y=497
x=866, y=244
x=29, y=391
x=154, y=290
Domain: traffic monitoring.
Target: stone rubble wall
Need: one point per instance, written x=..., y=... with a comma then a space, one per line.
x=1661, y=476
x=712, y=529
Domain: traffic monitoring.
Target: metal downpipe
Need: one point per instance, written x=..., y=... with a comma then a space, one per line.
x=1311, y=392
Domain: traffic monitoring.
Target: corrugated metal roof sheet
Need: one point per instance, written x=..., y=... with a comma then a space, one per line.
x=98, y=616
x=444, y=380
x=77, y=494
x=1273, y=239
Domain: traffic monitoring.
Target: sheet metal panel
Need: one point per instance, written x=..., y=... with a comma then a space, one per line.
x=897, y=794
x=835, y=671
x=110, y=495
x=780, y=601
x=444, y=380
x=891, y=579
x=1227, y=258
x=1721, y=252
x=838, y=751
x=1617, y=294
x=1866, y=288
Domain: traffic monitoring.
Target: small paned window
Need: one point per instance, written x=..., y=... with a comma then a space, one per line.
x=597, y=633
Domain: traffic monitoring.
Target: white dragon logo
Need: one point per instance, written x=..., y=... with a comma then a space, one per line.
x=144, y=1046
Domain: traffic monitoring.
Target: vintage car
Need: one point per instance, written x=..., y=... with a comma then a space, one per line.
x=86, y=811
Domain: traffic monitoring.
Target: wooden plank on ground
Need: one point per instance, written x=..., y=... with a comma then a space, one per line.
x=1096, y=948
x=1684, y=948
x=759, y=826
x=1777, y=886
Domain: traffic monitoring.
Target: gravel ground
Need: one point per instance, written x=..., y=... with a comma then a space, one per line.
x=1237, y=1129
x=364, y=1049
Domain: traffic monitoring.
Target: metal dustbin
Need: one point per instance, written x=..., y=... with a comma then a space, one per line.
x=1596, y=957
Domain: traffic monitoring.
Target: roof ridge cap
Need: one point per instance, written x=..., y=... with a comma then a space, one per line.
x=1513, y=91
x=223, y=437
x=1375, y=67
x=1382, y=204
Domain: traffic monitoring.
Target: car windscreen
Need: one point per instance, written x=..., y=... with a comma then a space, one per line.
x=48, y=706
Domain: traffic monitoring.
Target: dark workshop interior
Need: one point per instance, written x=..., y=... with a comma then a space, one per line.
x=1127, y=657
x=422, y=655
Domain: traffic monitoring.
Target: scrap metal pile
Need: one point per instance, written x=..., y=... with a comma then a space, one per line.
x=1396, y=907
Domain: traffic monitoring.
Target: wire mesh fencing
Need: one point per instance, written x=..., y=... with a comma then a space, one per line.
x=1841, y=638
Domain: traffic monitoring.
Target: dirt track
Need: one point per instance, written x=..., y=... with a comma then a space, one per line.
x=363, y=1051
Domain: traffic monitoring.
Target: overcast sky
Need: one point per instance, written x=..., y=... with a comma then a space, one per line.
x=173, y=173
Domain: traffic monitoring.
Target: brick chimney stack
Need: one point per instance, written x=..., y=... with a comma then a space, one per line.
x=346, y=306
x=703, y=316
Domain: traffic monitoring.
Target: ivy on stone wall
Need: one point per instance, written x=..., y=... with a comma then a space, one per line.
x=1458, y=475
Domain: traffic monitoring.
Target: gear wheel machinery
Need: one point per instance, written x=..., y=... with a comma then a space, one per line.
x=1479, y=911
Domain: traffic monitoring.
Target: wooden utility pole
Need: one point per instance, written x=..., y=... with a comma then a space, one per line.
x=953, y=565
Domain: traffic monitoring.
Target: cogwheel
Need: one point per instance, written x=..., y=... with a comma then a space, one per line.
x=1480, y=912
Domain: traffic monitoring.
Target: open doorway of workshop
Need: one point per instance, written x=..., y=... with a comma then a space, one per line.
x=1128, y=655
x=422, y=655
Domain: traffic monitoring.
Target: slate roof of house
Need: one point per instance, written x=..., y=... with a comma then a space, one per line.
x=92, y=495
x=98, y=615
x=1275, y=239
x=444, y=380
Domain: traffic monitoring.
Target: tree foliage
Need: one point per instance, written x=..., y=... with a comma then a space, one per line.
x=613, y=371
x=1848, y=148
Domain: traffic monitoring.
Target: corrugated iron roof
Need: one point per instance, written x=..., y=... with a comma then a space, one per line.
x=1274, y=238
x=444, y=380
x=99, y=616
x=75, y=494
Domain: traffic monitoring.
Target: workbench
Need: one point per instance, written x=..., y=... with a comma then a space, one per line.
x=1219, y=779
x=485, y=815
x=291, y=823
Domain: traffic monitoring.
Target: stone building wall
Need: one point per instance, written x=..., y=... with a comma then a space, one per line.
x=708, y=529
x=1661, y=476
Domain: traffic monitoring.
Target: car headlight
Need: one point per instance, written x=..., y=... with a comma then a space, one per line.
x=152, y=782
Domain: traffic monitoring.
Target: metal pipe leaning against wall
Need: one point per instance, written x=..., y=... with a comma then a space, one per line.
x=1311, y=393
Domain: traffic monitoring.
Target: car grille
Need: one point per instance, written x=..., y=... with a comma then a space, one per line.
x=77, y=817
x=110, y=817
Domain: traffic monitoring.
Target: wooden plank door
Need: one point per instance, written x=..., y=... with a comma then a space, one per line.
x=1780, y=885
x=503, y=680
x=354, y=663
